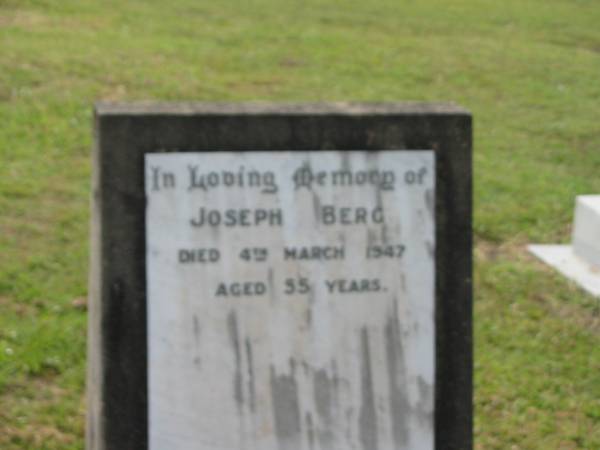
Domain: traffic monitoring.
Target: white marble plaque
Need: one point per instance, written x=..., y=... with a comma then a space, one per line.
x=291, y=300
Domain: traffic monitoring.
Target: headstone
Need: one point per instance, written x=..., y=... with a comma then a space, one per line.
x=586, y=227
x=277, y=277
x=580, y=260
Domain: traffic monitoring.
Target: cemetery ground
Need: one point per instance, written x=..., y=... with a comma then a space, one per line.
x=528, y=71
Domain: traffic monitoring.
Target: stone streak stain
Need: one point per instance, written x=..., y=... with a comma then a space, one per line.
x=238, y=392
x=430, y=248
x=367, y=420
x=424, y=408
x=336, y=383
x=399, y=405
x=430, y=203
x=271, y=283
x=251, y=385
x=317, y=207
x=286, y=409
x=371, y=237
x=310, y=432
x=197, y=330
x=309, y=307
x=385, y=234
x=324, y=392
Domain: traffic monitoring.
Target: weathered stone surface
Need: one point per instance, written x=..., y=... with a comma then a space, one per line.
x=292, y=295
x=118, y=368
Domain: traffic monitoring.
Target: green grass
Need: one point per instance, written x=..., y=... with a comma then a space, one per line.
x=528, y=70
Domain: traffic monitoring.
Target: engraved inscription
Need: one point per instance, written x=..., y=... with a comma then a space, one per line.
x=291, y=300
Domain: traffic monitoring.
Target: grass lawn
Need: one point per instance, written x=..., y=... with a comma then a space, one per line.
x=529, y=70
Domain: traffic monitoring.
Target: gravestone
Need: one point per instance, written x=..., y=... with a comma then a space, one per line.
x=579, y=261
x=281, y=277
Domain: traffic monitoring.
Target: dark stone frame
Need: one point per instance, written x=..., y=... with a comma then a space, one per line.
x=117, y=353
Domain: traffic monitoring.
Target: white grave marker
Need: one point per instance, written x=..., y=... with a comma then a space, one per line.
x=580, y=261
x=290, y=300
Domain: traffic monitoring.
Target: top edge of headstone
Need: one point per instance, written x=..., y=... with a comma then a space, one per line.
x=260, y=108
